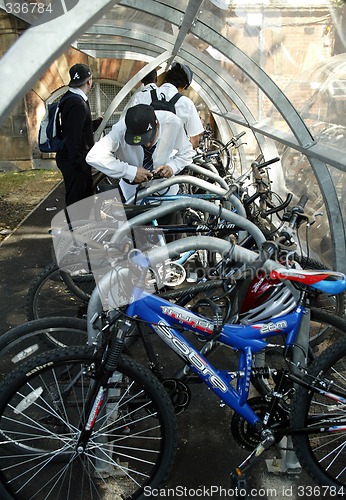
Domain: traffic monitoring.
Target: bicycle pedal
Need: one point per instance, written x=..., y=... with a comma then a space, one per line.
x=238, y=479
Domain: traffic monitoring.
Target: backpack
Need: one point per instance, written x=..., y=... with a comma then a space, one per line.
x=162, y=104
x=50, y=135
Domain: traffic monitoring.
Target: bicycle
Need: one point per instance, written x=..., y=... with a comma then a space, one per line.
x=75, y=410
x=213, y=152
x=55, y=291
x=48, y=294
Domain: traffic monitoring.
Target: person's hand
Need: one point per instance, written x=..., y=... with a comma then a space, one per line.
x=142, y=175
x=164, y=171
x=96, y=123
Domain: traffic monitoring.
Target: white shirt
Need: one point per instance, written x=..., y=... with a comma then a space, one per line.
x=78, y=91
x=141, y=97
x=184, y=108
x=115, y=158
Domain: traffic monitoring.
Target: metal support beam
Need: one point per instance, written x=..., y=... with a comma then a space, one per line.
x=39, y=47
x=189, y=17
x=127, y=88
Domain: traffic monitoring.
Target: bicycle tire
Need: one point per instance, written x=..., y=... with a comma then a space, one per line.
x=24, y=341
x=56, y=293
x=27, y=340
x=101, y=182
x=322, y=454
x=132, y=445
x=223, y=160
x=332, y=328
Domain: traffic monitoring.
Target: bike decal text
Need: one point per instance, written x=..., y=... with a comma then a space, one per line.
x=187, y=318
x=191, y=356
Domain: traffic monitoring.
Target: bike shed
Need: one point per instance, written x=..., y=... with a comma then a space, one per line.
x=273, y=68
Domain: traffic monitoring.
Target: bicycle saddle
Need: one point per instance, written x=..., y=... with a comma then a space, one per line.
x=326, y=281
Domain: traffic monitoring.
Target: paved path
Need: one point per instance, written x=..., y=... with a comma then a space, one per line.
x=22, y=256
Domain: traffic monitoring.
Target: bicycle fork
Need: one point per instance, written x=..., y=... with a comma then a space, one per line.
x=96, y=406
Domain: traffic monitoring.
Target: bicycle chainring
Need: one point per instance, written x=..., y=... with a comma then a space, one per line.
x=243, y=433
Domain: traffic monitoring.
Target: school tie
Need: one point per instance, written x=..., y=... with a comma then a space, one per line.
x=148, y=157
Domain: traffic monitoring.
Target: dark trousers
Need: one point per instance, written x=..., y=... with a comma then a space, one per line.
x=78, y=181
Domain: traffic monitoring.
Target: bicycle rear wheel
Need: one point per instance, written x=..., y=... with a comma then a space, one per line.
x=327, y=328
x=322, y=454
x=56, y=293
x=42, y=408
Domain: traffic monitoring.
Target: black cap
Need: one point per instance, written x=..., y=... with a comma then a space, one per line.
x=80, y=74
x=141, y=124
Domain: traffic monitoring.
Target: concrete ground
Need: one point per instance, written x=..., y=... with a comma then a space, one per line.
x=207, y=452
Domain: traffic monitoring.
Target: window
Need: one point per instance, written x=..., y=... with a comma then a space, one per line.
x=101, y=96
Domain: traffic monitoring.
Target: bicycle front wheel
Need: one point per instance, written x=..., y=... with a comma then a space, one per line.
x=42, y=410
x=322, y=454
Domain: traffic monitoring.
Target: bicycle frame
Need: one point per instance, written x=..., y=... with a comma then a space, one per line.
x=164, y=318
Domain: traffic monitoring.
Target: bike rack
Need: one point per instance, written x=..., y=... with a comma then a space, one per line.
x=187, y=179
x=159, y=255
x=203, y=206
x=288, y=463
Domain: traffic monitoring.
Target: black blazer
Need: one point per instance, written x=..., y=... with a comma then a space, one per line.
x=77, y=130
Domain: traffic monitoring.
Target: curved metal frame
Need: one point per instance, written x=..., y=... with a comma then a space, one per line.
x=61, y=32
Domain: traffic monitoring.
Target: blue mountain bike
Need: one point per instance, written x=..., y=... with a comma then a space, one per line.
x=90, y=422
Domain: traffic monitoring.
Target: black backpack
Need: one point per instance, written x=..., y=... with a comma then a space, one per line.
x=49, y=135
x=162, y=104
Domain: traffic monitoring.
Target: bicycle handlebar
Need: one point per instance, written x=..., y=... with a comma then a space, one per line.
x=234, y=140
x=303, y=201
x=292, y=218
x=265, y=164
x=279, y=207
x=231, y=142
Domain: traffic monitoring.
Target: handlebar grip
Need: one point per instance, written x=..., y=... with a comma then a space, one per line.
x=233, y=140
x=303, y=201
x=237, y=137
x=269, y=162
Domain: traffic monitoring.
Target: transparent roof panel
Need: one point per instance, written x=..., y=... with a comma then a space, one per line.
x=276, y=68
x=292, y=41
x=158, y=16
